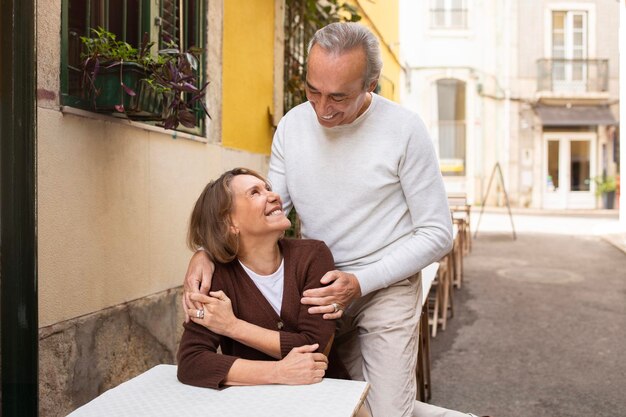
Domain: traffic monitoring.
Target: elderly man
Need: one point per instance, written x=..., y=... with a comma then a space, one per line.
x=362, y=173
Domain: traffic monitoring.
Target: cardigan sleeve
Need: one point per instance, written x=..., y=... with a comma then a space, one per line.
x=199, y=364
x=312, y=328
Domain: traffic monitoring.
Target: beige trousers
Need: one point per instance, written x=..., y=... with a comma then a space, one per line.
x=377, y=341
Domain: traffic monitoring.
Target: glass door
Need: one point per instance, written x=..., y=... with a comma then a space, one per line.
x=553, y=195
x=579, y=194
x=569, y=167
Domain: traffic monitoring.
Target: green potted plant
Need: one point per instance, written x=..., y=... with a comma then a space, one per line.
x=112, y=71
x=605, y=188
x=162, y=87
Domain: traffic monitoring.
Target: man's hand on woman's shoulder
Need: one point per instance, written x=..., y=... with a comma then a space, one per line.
x=333, y=299
x=197, y=280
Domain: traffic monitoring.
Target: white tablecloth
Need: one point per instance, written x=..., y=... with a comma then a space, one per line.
x=428, y=276
x=158, y=392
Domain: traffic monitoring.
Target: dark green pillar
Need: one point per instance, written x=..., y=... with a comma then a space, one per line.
x=18, y=240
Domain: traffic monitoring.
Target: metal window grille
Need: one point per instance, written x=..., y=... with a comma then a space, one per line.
x=124, y=18
x=298, y=33
x=171, y=21
x=594, y=75
x=182, y=21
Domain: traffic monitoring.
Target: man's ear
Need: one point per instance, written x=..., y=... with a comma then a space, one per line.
x=372, y=86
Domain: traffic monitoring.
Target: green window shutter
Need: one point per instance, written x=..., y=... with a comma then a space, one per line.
x=183, y=22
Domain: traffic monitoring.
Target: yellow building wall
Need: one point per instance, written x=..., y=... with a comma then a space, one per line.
x=248, y=75
x=382, y=18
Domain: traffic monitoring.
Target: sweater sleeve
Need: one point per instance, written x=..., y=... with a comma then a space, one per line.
x=312, y=328
x=199, y=364
x=427, y=202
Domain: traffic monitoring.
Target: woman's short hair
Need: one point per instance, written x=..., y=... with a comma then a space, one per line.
x=341, y=37
x=209, y=226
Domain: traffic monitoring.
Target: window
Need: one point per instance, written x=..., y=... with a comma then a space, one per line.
x=451, y=126
x=182, y=20
x=569, y=50
x=448, y=14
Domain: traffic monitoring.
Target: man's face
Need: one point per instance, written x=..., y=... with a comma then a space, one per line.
x=334, y=86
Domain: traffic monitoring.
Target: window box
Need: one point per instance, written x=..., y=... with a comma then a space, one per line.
x=179, y=25
x=109, y=90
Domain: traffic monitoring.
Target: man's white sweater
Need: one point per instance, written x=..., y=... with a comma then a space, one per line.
x=370, y=189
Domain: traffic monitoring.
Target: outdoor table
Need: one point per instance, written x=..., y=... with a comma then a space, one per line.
x=157, y=392
x=428, y=276
x=424, y=384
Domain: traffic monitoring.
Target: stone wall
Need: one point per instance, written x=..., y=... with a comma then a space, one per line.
x=81, y=358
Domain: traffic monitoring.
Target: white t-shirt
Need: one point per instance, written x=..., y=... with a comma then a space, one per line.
x=271, y=286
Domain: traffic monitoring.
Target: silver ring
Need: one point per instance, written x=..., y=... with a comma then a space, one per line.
x=200, y=314
x=335, y=307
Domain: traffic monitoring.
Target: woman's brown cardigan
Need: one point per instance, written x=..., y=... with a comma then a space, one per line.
x=306, y=261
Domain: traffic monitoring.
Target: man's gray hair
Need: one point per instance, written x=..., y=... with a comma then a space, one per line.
x=342, y=37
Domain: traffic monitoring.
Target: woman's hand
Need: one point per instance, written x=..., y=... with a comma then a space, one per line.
x=302, y=366
x=217, y=312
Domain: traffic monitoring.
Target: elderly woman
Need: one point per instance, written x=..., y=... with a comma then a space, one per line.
x=253, y=310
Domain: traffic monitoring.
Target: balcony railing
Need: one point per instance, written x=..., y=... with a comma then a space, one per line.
x=573, y=75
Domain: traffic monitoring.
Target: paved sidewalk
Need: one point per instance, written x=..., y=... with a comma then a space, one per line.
x=561, y=222
x=540, y=323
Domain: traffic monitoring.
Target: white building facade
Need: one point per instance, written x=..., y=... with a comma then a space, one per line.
x=527, y=86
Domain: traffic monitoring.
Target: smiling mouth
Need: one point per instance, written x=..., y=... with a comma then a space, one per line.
x=328, y=117
x=276, y=212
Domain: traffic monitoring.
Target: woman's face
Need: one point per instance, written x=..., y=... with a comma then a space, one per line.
x=256, y=209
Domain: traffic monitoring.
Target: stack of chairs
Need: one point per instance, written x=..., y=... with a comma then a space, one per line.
x=461, y=210
x=438, y=305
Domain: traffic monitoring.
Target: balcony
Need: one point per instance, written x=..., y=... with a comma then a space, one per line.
x=573, y=77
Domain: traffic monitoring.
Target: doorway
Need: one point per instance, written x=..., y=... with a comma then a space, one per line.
x=569, y=168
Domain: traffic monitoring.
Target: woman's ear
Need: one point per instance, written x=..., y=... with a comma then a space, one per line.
x=232, y=226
